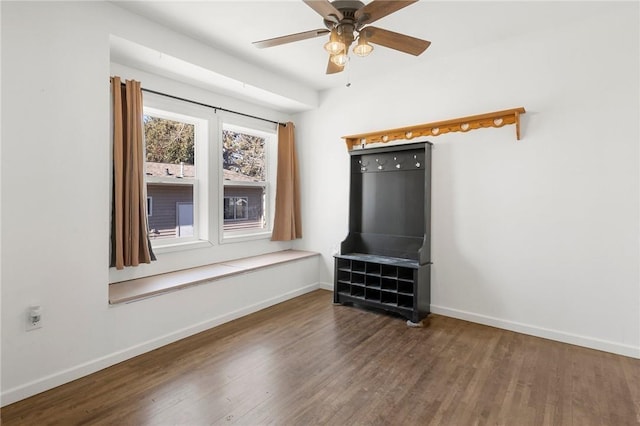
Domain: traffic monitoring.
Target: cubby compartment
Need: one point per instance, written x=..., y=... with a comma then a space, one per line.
x=372, y=294
x=372, y=269
x=372, y=281
x=390, y=284
x=344, y=276
x=405, y=274
x=405, y=287
x=357, y=266
x=389, y=298
x=357, y=278
x=343, y=287
x=343, y=265
x=405, y=301
x=357, y=291
x=389, y=271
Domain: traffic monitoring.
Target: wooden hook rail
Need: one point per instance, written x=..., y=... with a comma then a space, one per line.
x=437, y=128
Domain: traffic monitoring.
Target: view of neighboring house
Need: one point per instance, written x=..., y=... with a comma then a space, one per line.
x=170, y=201
x=244, y=206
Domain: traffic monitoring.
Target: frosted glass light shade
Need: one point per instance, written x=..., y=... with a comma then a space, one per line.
x=334, y=45
x=362, y=48
x=340, y=59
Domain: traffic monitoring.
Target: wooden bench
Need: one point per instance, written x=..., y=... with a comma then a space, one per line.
x=141, y=288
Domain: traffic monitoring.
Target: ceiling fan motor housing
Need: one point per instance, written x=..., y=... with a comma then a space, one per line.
x=348, y=25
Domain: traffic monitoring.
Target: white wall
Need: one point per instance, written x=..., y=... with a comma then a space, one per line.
x=540, y=235
x=55, y=203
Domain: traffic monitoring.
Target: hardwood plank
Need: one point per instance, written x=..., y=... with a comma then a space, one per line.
x=307, y=361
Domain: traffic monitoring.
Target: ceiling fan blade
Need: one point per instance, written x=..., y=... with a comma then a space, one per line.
x=290, y=38
x=379, y=9
x=403, y=43
x=325, y=9
x=332, y=68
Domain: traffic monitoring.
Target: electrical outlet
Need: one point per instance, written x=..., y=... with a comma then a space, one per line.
x=34, y=317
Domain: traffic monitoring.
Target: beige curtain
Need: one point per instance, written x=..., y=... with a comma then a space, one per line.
x=129, y=237
x=287, y=224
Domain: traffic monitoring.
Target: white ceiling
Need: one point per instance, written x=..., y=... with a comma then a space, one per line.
x=451, y=26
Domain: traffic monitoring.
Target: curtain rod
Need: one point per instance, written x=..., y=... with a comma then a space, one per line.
x=209, y=106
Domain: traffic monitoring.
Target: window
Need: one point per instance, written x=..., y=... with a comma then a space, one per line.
x=235, y=208
x=245, y=180
x=172, y=175
x=207, y=176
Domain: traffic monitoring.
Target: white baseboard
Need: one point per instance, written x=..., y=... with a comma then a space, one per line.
x=560, y=336
x=326, y=286
x=65, y=376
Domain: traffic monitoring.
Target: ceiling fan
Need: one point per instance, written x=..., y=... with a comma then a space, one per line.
x=347, y=21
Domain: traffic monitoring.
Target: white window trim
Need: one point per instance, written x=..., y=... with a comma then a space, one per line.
x=162, y=107
x=269, y=132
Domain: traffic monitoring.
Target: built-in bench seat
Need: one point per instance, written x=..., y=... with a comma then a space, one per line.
x=140, y=288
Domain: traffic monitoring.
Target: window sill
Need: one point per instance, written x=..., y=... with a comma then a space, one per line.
x=142, y=288
x=187, y=245
x=230, y=237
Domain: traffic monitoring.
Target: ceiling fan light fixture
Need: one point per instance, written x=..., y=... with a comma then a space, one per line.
x=348, y=22
x=334, y=46
x=363, y=48
x=340, y=59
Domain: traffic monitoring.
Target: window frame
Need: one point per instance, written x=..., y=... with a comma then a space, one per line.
x=204, y=179
x=268, y=131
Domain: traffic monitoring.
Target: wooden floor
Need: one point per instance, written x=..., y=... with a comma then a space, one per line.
x=307, y=362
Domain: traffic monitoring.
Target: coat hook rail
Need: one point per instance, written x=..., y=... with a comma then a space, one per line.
x=437, y=128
